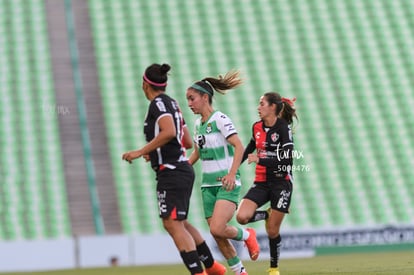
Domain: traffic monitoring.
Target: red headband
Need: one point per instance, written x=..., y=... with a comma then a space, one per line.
x=154, y=83
x=289, y=101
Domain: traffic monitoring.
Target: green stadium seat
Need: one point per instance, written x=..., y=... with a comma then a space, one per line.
x=29, y=128
x=352, y=93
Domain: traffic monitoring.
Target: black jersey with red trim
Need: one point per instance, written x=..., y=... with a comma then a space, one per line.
x=173, y=151
x=274, y=147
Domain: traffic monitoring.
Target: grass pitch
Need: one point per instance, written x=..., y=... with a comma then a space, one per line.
x=356, y=264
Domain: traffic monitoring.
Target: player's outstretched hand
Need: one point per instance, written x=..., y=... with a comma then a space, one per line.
x=131, y=155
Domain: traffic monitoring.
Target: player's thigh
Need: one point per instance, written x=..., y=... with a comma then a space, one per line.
x=246, y=210
x=257, y=196
x=222, y=214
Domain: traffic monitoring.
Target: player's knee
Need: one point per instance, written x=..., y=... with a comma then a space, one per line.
x=217, y=231
x=242, y=219
x=272, y=232
x=168, y=226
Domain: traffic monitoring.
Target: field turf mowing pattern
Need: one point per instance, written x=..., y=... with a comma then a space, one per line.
x=355, y=263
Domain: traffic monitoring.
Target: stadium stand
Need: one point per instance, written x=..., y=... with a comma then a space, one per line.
x=32, y=191
x=347, y=62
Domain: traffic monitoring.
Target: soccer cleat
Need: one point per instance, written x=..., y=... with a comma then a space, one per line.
x=202, y=273
x=216, y=269
x=252, y=244
x=273, y=271
x=242, y=272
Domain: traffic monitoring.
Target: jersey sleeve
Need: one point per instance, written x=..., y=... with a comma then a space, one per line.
x=251, y=146
x=158, y=108
x=225, y=125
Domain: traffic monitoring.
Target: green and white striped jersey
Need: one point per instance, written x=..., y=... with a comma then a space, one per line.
x=216, y=154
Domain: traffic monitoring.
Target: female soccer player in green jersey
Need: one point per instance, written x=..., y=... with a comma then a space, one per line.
x=220, y=151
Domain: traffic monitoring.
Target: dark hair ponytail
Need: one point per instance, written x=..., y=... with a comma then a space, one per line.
x=220, y=84
x=288, y=112
x=157, y=76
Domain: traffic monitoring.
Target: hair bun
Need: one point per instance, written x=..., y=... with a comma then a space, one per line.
x=165, y=68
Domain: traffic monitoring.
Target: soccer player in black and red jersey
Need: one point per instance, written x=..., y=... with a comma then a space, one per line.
x=273, y=142
x=168, y=138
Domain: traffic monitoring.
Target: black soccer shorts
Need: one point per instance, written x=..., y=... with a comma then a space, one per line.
x=279, y=193
x=174, y=188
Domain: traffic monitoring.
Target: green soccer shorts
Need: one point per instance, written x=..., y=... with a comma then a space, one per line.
x=212, y=194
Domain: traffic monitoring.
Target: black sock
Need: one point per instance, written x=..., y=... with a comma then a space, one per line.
x=274, y=245
x=259, y=216
x=191, y=261
x=205, y=254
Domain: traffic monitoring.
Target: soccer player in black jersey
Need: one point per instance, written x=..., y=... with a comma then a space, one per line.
x=168, y=137
x=273, y=142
